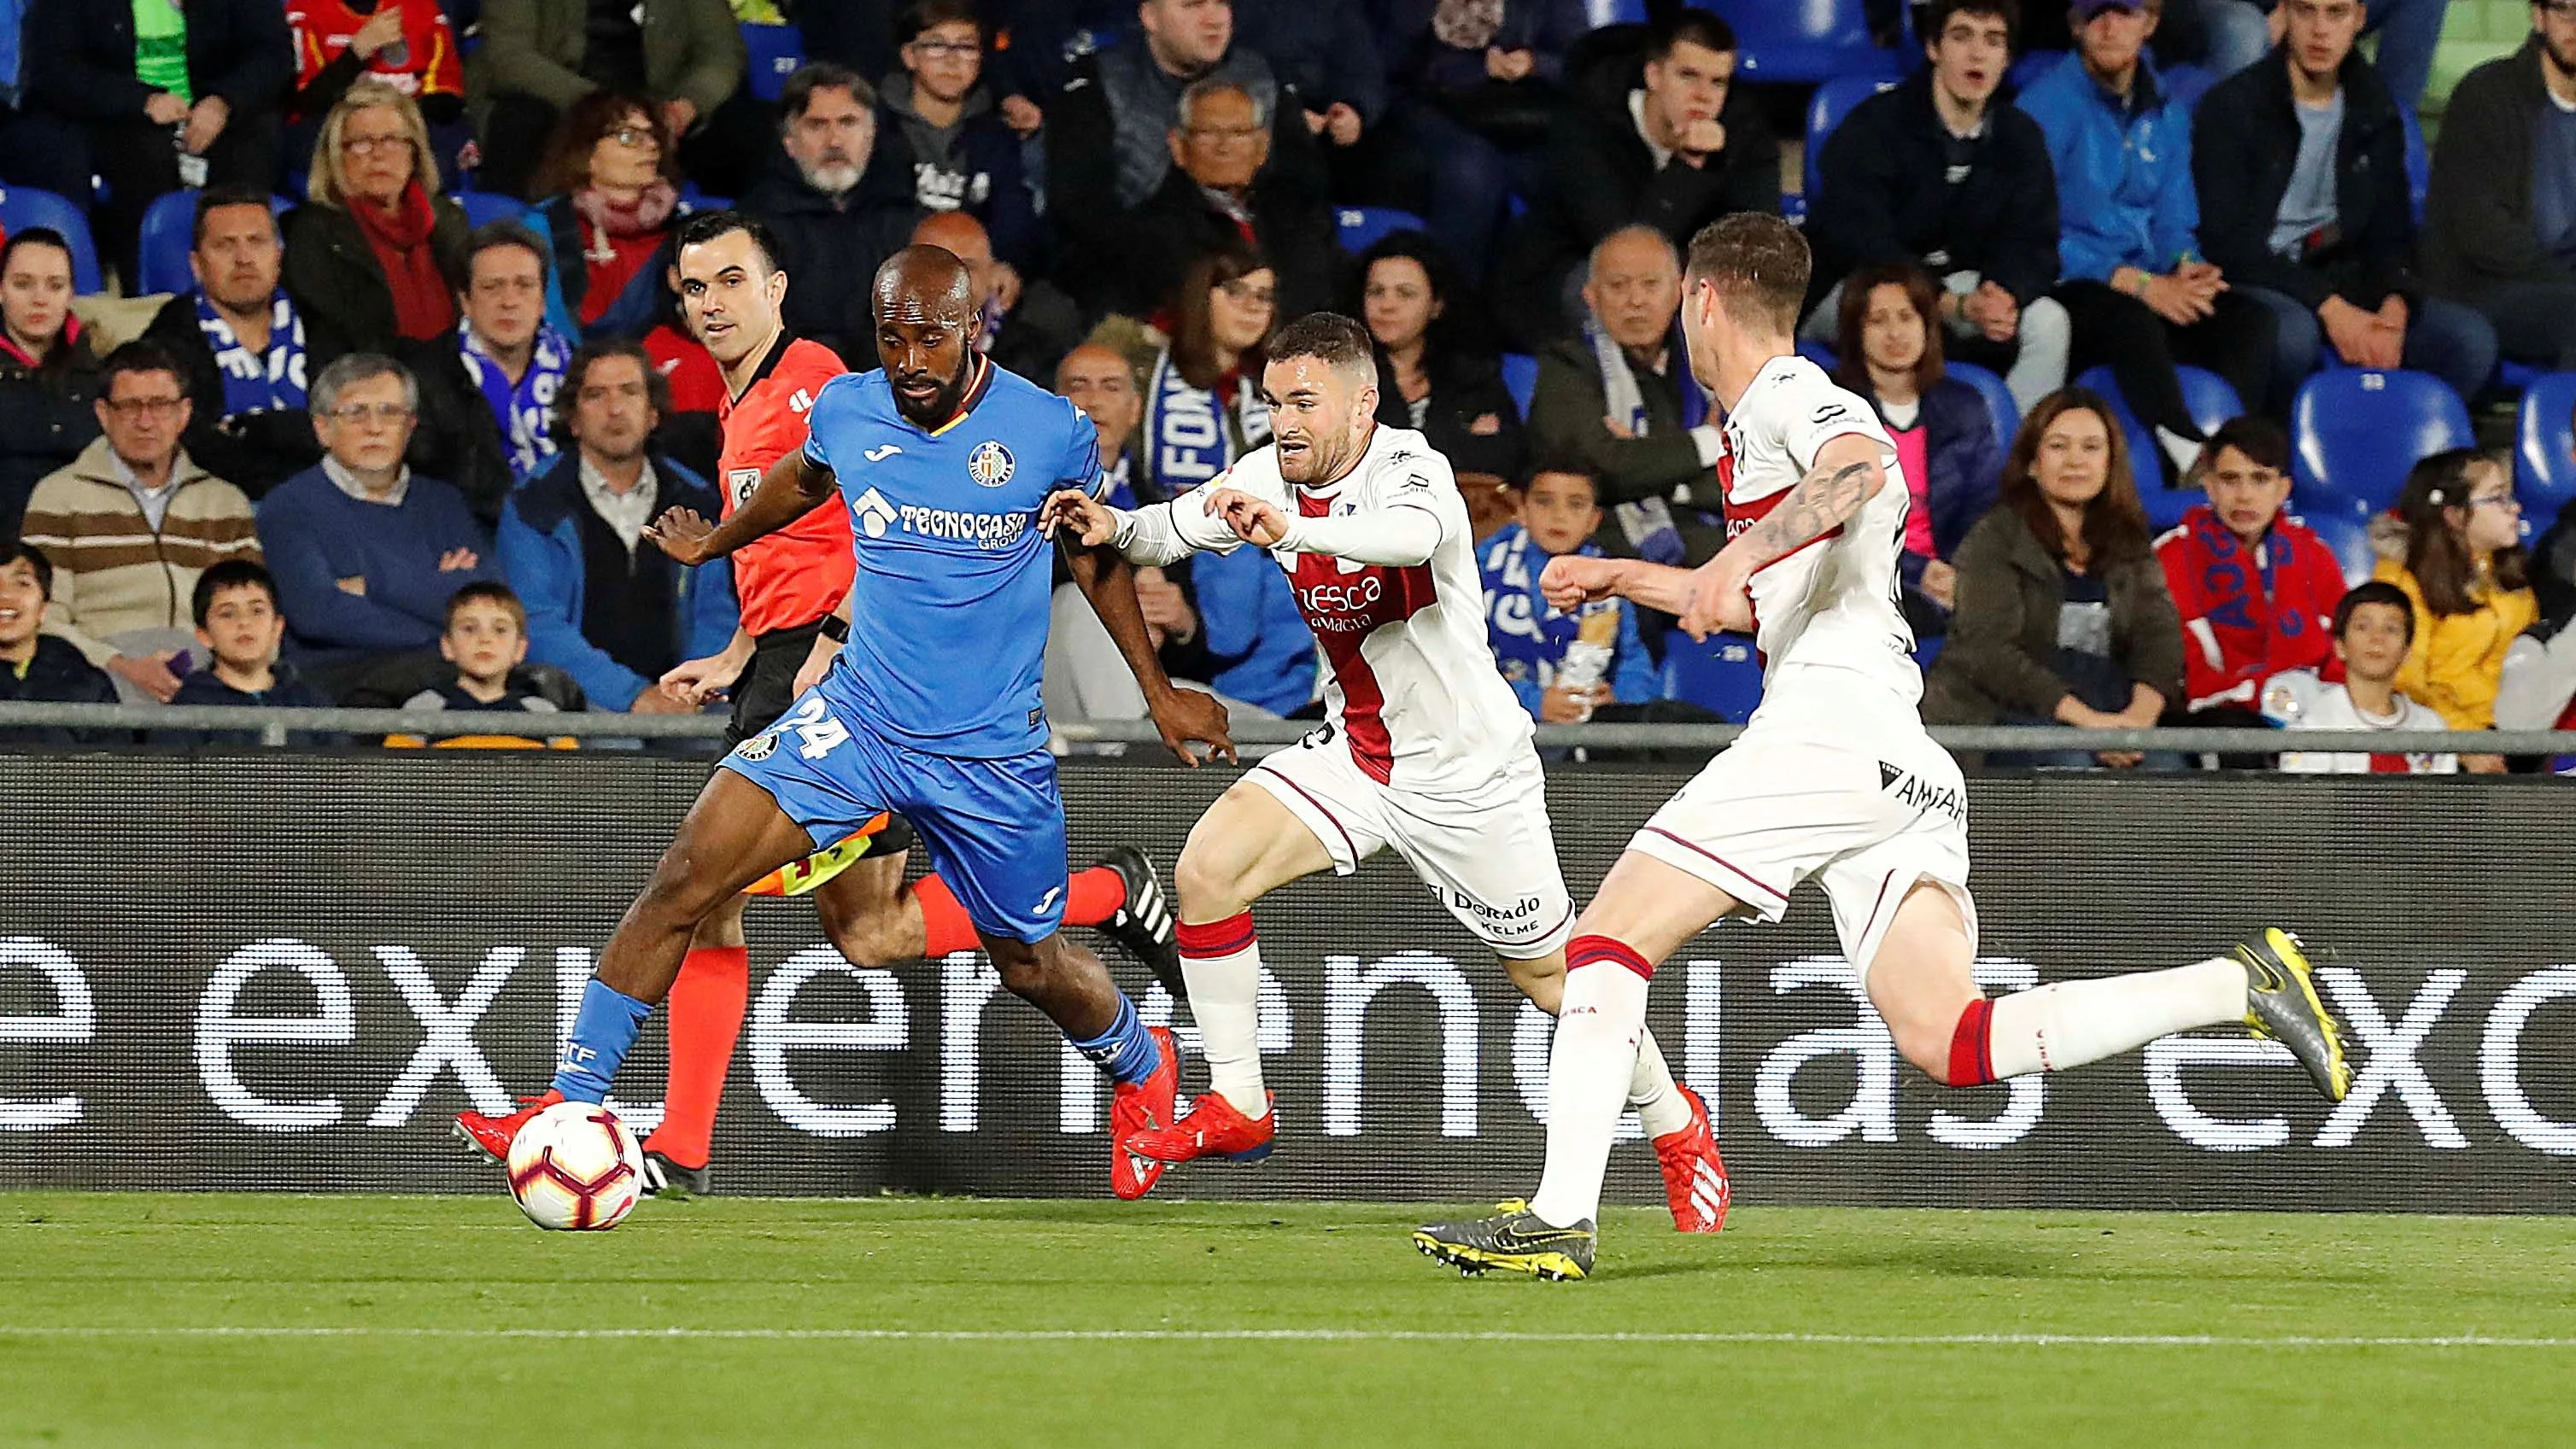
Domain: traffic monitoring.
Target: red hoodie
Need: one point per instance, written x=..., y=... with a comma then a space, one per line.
x=2248, y=615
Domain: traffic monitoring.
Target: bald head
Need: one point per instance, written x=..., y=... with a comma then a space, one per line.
x=963, y=237
x=924, y=284
x=1634, y=287
x=926, y=331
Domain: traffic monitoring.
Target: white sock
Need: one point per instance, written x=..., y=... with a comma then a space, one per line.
x=1659, y=1103
x=1588, y=1071
x=1225, y=1000
x=2185, y=452
x=2068, y=1023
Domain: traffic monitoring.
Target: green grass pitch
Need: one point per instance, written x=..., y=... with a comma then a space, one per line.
x=376, y=1321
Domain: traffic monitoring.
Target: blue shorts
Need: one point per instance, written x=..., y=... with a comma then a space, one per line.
x=995, y=828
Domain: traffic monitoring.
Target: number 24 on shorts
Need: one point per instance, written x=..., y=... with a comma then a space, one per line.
x=816, y=731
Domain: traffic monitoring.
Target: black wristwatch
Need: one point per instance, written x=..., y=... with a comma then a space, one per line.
x=835, y=628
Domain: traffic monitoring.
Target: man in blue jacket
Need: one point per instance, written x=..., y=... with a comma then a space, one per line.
x=2132, y=277
x=366, y=553
x=603, y=607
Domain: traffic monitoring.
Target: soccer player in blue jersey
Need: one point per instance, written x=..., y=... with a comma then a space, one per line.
x=931, y=709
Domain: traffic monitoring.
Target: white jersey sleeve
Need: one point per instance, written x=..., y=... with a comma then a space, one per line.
x=1832, y=603
x=1162, y=533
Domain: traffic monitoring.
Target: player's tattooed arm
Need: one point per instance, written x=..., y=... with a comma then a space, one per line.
x=1847, y=473
x=792, y=488
x=1185, y=717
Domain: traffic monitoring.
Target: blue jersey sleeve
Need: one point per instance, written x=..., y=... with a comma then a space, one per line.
x=834, y=413
x=1081, y=469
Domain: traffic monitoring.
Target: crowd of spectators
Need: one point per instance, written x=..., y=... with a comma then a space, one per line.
x=420, y=451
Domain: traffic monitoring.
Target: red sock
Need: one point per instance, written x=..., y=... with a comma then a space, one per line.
x=1584, y=950
x=1093, y=896
x=944, y=926
x=705, y=1011
x=1972, y=1059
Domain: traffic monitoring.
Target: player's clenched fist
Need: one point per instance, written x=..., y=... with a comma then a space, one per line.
x=1253, y=520
x=1571, y=581
x=1089, y=520
x=682, y=534
x=1720, y=599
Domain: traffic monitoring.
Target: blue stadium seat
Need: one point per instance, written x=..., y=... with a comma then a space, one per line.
x=2185, y=84
x=776, y=52
x=1361, y=226
x=2211, y=402
x=22, y=207
x=1520, y=379
x=1834, y=100
x=1804, y=40
x=1819, y=354
x=1999, y=400
x=487, y=206
x=2419, y=161
x=2347, y=535
x=2544, y=451
x=1723, y=676
x=169, y=230
x=2030, y=67
x=1614, y=12
x=2354, y=435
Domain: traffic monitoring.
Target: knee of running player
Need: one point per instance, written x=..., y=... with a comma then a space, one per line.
x=1929, y=1020
x=1026, y=967
x=1209, y=877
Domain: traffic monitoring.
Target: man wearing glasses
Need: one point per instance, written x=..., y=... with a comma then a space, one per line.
x=2500, y=219
x=1220, y=190
x=130, y=525
x=365, y=551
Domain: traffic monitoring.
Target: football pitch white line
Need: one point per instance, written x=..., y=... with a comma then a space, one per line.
x=1295, y=1335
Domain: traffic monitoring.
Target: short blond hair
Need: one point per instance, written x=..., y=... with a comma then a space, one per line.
x=325, y=184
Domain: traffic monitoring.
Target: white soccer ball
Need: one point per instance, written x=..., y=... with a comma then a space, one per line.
x=576, y=1167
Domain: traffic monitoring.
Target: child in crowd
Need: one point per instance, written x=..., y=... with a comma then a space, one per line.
x=2374, y=627
x=486, y=638
x=1563, y=666
x=2455, y=546
x=35, y=665
x=240, y=626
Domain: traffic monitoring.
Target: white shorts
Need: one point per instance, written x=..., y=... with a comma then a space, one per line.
x=1490, y=856
x=1784, y=804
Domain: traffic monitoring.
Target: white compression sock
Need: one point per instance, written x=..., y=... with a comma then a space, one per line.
x=2068, y=1023
x=1588, y=1072
x=1659, y=1103
x=1221, y=962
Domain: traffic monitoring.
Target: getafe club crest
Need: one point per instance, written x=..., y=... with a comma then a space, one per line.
x=990, y=464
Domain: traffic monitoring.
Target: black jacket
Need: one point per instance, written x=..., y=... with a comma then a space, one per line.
x=833, y=247
x=1883, y=196
x=2245, y=142
x=58, y=674
x=45, y=421
x=1464, y=388
x=2477, y=218
x=80, y=57
x=256, y=451
x=1601, y=177
x=1566, y=424
x=337, y=283
x=2002, y=654
x=1177, y=225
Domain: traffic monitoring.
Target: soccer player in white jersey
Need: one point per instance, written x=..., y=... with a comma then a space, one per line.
x=1424, y=750
x=1833, y=778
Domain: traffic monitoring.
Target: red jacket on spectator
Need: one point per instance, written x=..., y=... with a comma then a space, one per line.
x=2248, y=615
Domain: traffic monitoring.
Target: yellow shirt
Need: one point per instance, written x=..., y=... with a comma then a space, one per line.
x=2457, y=660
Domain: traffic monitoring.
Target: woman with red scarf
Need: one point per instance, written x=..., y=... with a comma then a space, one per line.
x=611, y=208
x=376, y=255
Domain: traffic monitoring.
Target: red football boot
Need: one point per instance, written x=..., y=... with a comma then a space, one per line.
x=1143, y=1107
x=1695, y=1185
x=1212, y=1129
x=491, y=1136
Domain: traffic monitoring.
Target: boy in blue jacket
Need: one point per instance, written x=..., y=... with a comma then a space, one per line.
x=1563, y=666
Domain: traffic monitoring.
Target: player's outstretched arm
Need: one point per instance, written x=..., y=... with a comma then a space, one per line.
x=1847, y=473
x=793, y=487
x=1185, y=717
x=1572, y=580
x=1397, y=536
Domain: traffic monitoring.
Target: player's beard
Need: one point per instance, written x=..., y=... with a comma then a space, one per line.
x=943, y=404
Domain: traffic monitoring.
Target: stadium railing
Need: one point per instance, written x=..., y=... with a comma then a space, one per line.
x=274, y=725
